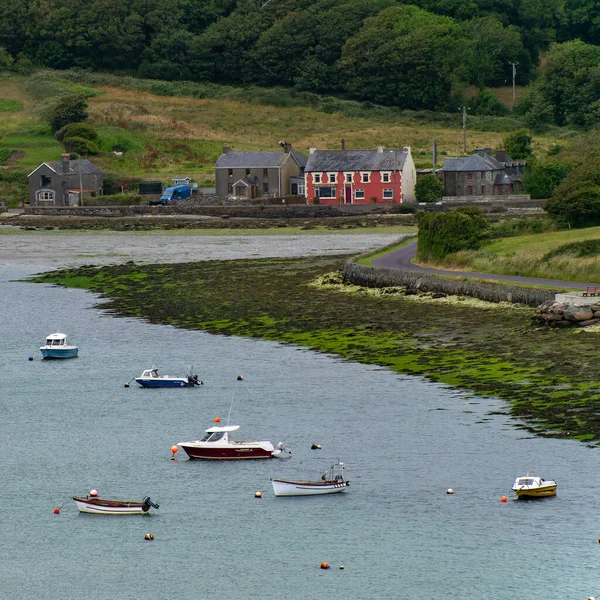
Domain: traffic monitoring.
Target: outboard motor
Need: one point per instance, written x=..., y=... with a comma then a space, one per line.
x=147, y=503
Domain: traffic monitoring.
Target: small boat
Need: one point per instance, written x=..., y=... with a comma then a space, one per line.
x=99, y=506
x=151, y=379
x=332, y=482
x=56, y=347
x=533, y=487
x=217, y=445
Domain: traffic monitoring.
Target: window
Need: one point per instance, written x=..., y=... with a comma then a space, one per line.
x=265, y=187
x=230, y=188
x=317, y=177
x=365, y=177
x=385, y=178
x=359, y=194
x=326, y=192
x=45, y=181
x=348, y=177
x=229, y=172
x=482, y=174
x=247, y=172
x=470, y=190
x=332, y=177
x=469, y=175
x=483, y=190
x=265, y=172
x=45, y=196
x=389, y=194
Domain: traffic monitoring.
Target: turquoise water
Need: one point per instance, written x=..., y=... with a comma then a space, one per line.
x=69, y=426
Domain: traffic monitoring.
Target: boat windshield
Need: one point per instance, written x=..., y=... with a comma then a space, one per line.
x=213, y=437
x=51, y=342
x=525, y=481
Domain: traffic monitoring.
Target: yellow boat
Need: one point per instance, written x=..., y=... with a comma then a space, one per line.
x=534, y=487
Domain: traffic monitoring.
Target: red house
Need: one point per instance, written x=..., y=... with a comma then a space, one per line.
x=360, y=176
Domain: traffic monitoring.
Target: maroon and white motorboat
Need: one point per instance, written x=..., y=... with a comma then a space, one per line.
x=218, y=445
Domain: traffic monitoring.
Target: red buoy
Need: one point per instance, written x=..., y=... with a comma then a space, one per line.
x=57, y=511
x=503, y=499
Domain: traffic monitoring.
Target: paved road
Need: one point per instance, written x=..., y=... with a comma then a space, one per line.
x=401, y=259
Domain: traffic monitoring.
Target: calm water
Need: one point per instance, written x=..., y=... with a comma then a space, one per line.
x=69, y=426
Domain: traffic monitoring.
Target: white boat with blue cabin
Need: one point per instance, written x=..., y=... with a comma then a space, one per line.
x=150, y=378
x=56, y=347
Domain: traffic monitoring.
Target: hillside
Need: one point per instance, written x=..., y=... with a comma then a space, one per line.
x=164, y=135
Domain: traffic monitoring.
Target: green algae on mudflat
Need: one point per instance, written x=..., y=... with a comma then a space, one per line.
x=548, y=377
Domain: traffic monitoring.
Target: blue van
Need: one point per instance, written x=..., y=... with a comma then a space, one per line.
x=179, y=192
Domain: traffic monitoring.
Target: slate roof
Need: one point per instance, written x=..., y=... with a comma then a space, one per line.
x=85, y=165
x=355, y=160
x=257, y=160
x=474, y=162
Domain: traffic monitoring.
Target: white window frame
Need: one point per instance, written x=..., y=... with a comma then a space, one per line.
x=46, y=195
x=359, y=194
x=316, y=177
x=365, y=176
x=331, y=177
x=348, y=177
x=388, y=194
x=386, y=177
x=330, y=187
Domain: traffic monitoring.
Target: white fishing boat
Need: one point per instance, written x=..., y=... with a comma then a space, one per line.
x=331, y=482
x=91, y=504
x=56, y=347
x=534, y=487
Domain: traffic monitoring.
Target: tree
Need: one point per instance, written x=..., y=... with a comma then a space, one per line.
x=518, y=144
x=441, y=234
x=80, y=145
x=541, y=179
x=485, y=103
x=70, y=108
x=429, y=188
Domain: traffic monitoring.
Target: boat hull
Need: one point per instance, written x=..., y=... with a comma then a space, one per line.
x=162, y=383
x=226, y=453
x=59, y=352
x=543, y=492
x=308, y=488
x=132, y=508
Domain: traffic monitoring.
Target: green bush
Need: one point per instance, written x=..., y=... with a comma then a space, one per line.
x=575, y=249
x=79, y=130
x=519, y=227
x=578, y=206
x=441, y=234
x=541, y=179
x=81, y=146
x=518, y=144
x=70, y=108
x=428, y=188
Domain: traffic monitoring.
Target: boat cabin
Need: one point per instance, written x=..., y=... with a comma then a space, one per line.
x=527, y=481
x=219, y=434
x=150, y=373
x=56, y=339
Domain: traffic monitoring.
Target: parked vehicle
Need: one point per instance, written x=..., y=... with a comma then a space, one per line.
x=178, y=192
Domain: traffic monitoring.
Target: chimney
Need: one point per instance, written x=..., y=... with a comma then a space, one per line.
x=226, y=149
x=65, y=159
x=287, y=148
x=312, y=150
x=379, y=148
x=343, y=144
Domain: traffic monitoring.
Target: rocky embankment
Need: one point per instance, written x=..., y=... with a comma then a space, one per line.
x=563, y=314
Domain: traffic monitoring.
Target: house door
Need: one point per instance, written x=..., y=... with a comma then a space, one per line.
x=348, y=194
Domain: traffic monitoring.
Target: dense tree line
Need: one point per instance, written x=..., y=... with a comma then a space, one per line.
x=410, y=54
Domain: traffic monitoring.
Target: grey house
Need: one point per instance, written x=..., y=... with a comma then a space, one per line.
x=258, y=174
x=482, y=174
x=64, y=183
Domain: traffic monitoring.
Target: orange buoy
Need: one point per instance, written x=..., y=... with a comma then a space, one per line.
x=258, y=494
x=57, y=511
x=324, y=565
x=503, y=499
x=174, y=449
x=217, y=420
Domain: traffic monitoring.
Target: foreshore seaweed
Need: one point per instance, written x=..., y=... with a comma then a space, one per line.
x=547, y=377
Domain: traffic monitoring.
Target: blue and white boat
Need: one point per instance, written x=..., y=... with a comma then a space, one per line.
x=151, y=379
x=56, y=347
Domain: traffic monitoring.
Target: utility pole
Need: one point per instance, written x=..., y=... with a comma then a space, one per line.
x=514, y=75
x=464, y=128
x=433, y=155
